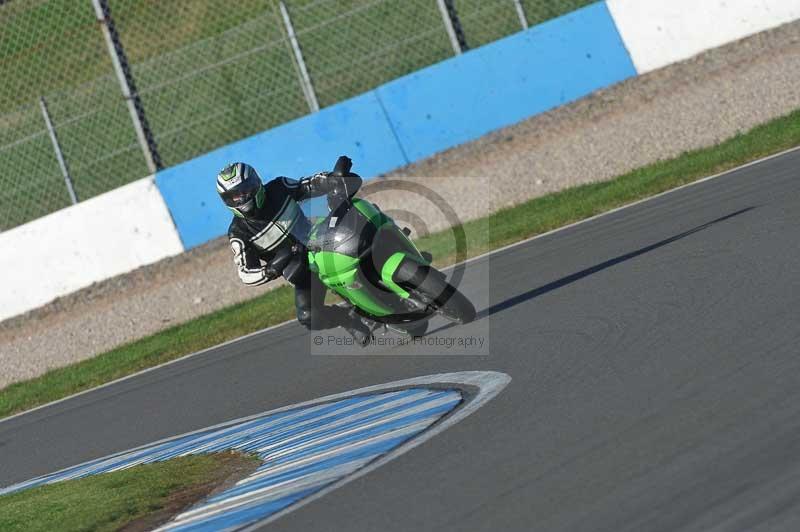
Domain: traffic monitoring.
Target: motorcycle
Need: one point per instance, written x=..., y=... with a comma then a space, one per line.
x=362, y=255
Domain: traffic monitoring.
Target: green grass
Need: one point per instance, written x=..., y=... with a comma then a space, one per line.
x=499, y=229
x=538, y=11
x=107, y=502
x=209, y=330
x=486, y=21
x=208, y=74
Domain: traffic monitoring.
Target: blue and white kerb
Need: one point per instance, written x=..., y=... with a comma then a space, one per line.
x=308, y=449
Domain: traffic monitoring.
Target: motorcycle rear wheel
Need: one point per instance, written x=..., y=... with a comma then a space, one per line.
x=413, y=329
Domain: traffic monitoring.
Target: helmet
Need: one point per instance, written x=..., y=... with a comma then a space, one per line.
x=239, y=186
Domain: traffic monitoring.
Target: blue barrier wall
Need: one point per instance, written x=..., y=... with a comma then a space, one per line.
x=507, y=81
x=415, y=116
x=356, y=127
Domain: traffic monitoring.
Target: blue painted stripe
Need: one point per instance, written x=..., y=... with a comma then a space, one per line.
x=363, y=422
x=269, y=427
x=386, y=428
x=380, y=429
x=366, y=451
x=246, y=515
x=261, y=426
x=261, y=444
x=270, y=438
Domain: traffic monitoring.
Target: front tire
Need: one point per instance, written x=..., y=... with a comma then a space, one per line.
x=432, y=286
x=457, y=307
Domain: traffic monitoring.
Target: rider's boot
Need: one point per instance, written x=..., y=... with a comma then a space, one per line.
x=362, y=335
x=352, y=323
x=360, y=331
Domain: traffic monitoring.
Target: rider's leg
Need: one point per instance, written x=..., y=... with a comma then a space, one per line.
x=309, y=299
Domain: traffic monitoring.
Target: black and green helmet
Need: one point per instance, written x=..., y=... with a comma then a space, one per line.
x=239, y=186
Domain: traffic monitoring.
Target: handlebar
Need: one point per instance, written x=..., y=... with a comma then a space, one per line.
x=338, y=195
x=343, y=166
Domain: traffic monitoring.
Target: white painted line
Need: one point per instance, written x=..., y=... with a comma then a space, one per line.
x=471, y=259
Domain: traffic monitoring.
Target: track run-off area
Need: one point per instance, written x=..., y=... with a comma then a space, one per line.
x=655, y=381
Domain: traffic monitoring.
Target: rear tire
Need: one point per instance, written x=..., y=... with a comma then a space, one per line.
x=414, y=329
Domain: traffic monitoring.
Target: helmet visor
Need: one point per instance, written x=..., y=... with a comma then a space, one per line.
x=241, y=194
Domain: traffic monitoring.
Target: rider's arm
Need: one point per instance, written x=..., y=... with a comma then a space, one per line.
x=320, y=184
x=248, y=264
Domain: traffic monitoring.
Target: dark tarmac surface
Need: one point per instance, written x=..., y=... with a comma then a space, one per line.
x=656, y=382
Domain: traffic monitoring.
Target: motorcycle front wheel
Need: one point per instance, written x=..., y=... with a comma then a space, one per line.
x=430, y=286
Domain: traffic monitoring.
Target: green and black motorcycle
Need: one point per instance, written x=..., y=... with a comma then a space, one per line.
x=362, y=255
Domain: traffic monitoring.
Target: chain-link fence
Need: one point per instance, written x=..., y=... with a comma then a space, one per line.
x=53, y=49
x=200, y=74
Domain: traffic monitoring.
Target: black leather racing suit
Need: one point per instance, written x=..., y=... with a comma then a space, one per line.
x=270, y=242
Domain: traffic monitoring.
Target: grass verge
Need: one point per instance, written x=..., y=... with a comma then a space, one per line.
x=139, y=498
x=501, y=228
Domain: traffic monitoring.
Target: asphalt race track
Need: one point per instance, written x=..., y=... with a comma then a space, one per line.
x=655, y=382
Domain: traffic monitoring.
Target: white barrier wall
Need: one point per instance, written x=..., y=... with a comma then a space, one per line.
x=660, y=32
x=70, y=249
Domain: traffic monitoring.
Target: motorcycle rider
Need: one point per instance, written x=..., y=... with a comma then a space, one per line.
x=268, y=233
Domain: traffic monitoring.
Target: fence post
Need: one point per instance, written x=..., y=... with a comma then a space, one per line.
x=305, y=79
x=523, y=20
x=62, y=163
x=126, y=83
x=453, y=25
